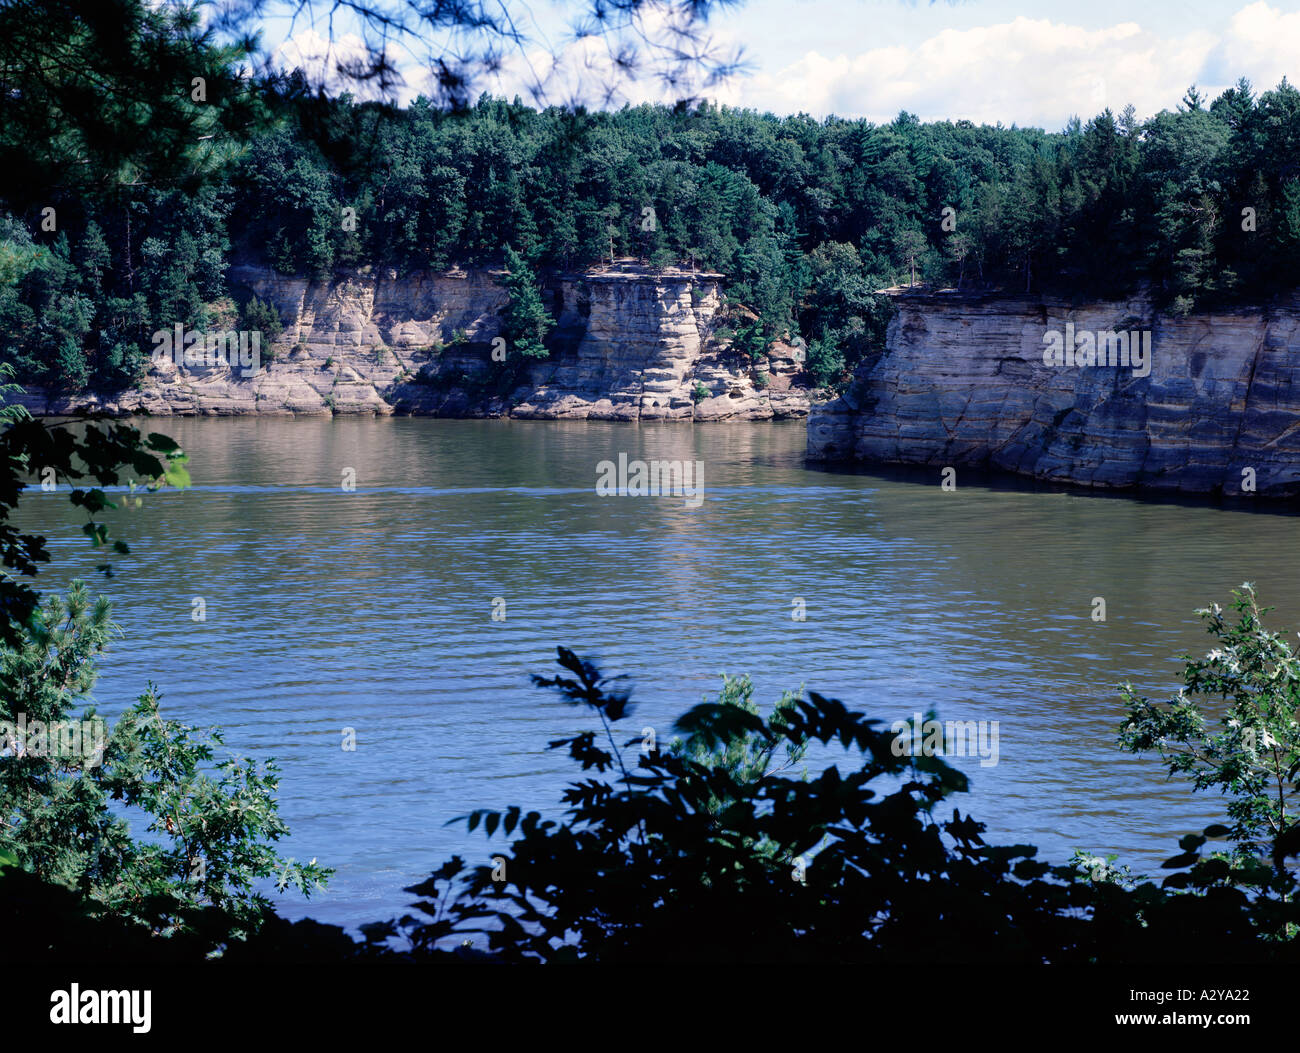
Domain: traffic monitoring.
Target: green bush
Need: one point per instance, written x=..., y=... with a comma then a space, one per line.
x=259, y=316
x=1253, y=760
x=212, y=820
x=825, y=364
x=706, y=851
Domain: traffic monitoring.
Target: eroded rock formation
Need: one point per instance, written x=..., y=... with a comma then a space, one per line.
x=631, y=346
x=962, y=381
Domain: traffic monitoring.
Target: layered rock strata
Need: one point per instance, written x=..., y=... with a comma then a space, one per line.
x=963, y=381
x=628, y=346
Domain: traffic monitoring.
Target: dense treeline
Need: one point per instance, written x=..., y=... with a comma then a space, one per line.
x=807, y=218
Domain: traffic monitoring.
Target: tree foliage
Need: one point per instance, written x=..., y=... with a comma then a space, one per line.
x=1252, y=678
x=806, y=219
x=211, y=820
x=525, y=319
x=456, y=46
x=704, y=852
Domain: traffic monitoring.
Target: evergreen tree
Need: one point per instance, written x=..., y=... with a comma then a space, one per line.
x=525, y=320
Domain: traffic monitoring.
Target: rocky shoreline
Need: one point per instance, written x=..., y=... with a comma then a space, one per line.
x=964, y=381
x=630, y=345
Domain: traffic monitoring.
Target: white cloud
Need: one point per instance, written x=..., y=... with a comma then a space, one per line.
x=581, y=69
x=1262, y=44
x=319, y=57
x=576, y=70
x=1028, y=71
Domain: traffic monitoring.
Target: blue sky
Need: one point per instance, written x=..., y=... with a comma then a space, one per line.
x=983, y=60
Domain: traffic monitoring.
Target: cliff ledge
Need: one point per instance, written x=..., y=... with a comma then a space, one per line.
x=980, y=381
x=629, y=345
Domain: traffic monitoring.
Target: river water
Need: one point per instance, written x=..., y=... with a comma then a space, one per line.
x=372, y=609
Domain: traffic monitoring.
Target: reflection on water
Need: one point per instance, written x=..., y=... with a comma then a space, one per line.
x=372, y=609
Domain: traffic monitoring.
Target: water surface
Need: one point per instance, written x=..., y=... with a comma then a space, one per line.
x=372, y=609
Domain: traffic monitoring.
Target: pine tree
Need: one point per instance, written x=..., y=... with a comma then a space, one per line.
x=525, y=318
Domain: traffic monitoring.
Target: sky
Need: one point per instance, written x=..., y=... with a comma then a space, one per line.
x=987, y=61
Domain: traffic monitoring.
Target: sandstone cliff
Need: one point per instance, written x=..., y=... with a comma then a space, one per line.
x=962, y=381
x=630, y=346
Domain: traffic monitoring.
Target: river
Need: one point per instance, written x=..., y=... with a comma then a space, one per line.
x=372, y=608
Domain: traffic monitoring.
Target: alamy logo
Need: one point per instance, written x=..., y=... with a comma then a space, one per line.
x=1104, y=347
x=955, y=738
x=73, y=741
x=76, y=1006
x=209, y=350
x=652, y=479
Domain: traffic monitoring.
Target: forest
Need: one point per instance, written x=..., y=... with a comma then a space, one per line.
x=1197, y=207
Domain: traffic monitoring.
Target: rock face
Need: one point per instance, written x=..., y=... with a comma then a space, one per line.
x=629, y=346
x=963, y=381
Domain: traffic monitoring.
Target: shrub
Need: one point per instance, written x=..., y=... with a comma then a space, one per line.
x=212, y=823
x=259, y=316
x=704, y=852
x=825, y=364
x=1254, y=757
